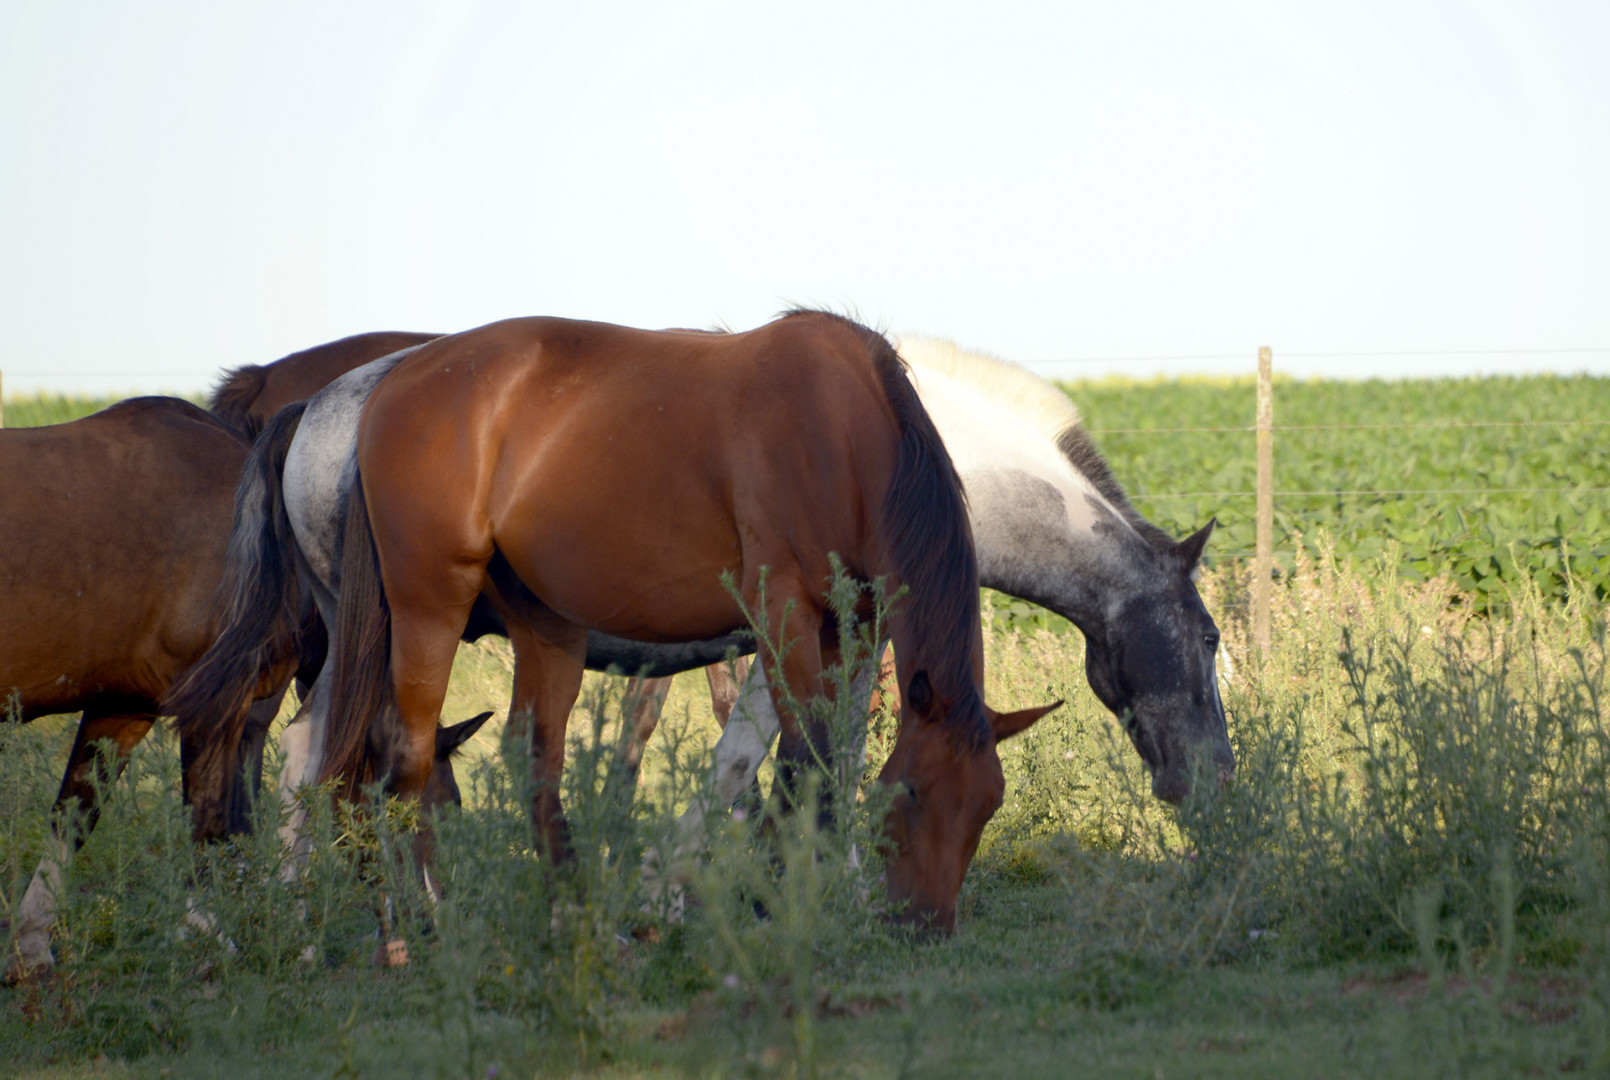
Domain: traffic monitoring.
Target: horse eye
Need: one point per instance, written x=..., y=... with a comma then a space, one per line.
x=1211, y=640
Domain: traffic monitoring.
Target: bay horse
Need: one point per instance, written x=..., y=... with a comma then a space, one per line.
x=113, y=531
x=645, y=501
x=1052, y=526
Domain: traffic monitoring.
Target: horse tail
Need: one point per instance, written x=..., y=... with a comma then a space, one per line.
x=257, y=603
x=237, y=391
x=360, y=691
x=925, y=525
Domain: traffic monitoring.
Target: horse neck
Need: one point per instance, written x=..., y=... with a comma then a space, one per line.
x=1042, y=530
x=960, y=683
x=1045, y=534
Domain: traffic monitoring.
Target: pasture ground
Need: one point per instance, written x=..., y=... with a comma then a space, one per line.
x=1410, y=877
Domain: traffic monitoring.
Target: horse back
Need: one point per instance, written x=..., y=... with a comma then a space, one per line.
x=648, y=460
x=112, y=537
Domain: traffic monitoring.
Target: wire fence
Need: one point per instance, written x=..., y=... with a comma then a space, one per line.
x=1353, y=354
x=1575, y=482
x=1583, y=493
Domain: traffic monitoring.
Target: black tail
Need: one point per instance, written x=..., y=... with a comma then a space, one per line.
x=360, y=693
x=236, y=393
x=257, y=605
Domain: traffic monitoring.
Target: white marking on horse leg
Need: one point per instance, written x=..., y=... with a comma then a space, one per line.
x=302, y=744
x=432, y=890
x=743, y=745
x=38, y=911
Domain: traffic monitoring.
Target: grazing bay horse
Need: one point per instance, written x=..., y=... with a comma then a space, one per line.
x=1052, y=526
x=113, y=532
x=583, y=477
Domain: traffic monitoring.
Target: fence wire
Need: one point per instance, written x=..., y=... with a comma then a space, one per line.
x=1435, y=425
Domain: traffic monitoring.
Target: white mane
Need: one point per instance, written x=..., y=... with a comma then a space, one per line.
x=1023, y=392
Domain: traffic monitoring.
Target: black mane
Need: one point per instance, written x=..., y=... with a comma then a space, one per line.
x=1081, y=452
x=925, y=521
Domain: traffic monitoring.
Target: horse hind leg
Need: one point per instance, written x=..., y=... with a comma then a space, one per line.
x=549, y=661
x=37, y=913
x=301, y=760
x=641, y=705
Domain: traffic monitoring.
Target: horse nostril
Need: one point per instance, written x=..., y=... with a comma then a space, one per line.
x=1226, y=776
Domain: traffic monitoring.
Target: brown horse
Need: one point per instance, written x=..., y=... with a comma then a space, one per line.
x=113, y=532
x=585, y=476
x=247, y=396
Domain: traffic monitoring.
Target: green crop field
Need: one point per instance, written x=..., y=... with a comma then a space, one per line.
x=1410, y=876
x=1525, y=495
x=1520, y=498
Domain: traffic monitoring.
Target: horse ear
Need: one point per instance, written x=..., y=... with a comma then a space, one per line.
x=1189, y=550
x=920, y=694
x=1010, y=723
x=449, y=739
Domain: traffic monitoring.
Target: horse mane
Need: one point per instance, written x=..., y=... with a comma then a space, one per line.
x=1051, y=411
x=925, y=523
x=1020, y=390
x=234, y=394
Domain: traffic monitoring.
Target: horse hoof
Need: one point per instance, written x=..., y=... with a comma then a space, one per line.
x=20, y=972
x=393, y=953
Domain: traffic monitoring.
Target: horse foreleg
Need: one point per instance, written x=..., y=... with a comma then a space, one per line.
x=37, y=913
x=724, y=682
x=735, y=763
x=794, y=659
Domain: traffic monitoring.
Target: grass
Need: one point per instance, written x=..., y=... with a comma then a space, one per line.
x=1408, y=878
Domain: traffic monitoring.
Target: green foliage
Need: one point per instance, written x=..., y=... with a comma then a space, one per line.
x=1486, y=538
x=1407, y=878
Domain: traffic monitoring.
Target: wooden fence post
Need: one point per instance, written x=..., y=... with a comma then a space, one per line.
x=1264, y=551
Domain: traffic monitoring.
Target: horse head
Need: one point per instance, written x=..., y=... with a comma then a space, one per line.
x=947, y=784
x=1152, y=664
x=442, y=787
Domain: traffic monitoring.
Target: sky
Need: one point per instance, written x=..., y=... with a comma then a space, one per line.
x=1369, y=188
